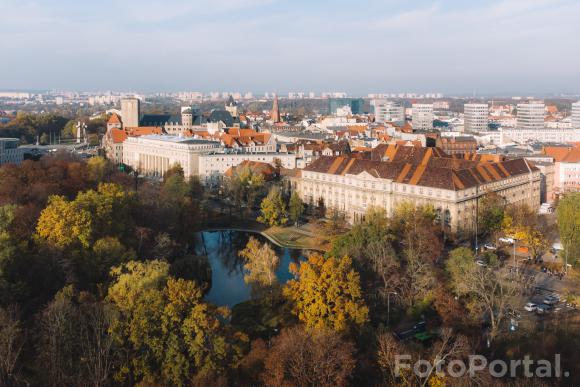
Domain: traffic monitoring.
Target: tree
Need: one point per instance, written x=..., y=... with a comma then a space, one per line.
x=11, y=343
x=568, y=212
x=169, y=334
x=62, y=224
x=273, y=209
x=261, y=264
x=326, y=293
x=491, y=213
x=309, y=358
x=244, y=187
x=295, y=208
x=486, y=291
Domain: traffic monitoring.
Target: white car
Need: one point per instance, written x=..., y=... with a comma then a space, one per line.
x=489, y=246
x=531, y=307
x=507, y=240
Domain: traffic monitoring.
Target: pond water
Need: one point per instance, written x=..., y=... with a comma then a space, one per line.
x=227, y=280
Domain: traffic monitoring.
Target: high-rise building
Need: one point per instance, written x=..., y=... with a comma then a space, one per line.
x=130, y=112
x=275, y=115
x=422, y=116
x=576, y=115
x=356, y=104
x=476, y=116
x=531, y=115
x=388, y=111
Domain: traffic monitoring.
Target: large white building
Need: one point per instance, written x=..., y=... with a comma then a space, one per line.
x=212, y=166
x=531, y=115
x=153, y=155
x=475, y=117
x=543, y=134
x=422, y=116
x=388, y=111
x=10, y=153
x=576, y=115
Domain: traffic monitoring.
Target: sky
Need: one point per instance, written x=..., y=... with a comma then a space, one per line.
x=357, y=46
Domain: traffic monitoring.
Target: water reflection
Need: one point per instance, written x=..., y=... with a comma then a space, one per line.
x=221, y=247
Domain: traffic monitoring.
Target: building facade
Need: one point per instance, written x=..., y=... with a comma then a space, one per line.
x=475, y=117
x=213, y=166
x=388, y=111
x=453, y=186
x=531, y=115
x=10, y=153
x=422, y=116
x=153, y=155
x=576, y=115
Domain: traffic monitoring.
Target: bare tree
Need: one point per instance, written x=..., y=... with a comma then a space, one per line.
x=11, y=342
x=97, y=345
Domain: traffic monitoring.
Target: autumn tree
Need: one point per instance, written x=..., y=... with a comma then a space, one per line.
x=273, y=209
x=63, y=224
x=169, y=333
x=326, y=293
x=568, y=212
x=260, y=265
x=485, y=291
x=295, y=208
x=244, y=188
x=300, y=357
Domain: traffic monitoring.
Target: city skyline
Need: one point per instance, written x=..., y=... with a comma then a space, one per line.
x=495, y=47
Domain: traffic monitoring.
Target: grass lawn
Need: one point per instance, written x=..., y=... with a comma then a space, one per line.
x=295, y=238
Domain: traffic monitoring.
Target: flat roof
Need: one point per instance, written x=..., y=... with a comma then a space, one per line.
x=177, y=139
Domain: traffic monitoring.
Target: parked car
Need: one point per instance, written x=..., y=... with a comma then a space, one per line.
x=551, y=299
x=489, y=246
x=531, y=307
x=479, y=262
x=543, y=309
x=507, y=240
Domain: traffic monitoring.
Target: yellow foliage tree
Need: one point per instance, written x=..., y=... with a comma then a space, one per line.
x=63, y=224
x=326, y=293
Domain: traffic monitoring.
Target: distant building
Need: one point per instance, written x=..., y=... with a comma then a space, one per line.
x=531, y=115
x=232, y=106
x=10, y=153
x=475, y=117
x=356, y=105
x=130, y=112
x=576, y=115
x=457, y=144
x=388, y=111
x=422, y=116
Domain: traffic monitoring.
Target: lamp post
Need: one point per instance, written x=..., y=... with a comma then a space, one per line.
x=389, y=307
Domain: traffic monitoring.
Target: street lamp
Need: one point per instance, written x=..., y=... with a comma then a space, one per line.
x=389, y=306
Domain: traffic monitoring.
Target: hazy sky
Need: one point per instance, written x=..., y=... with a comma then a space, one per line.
x=358, y=46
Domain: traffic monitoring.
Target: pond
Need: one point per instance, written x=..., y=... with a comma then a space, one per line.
x=227, y=280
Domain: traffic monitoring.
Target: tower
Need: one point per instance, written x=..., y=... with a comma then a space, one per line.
x=275, y=115
x=232, y=106
x=186, y=117
x=130, y=111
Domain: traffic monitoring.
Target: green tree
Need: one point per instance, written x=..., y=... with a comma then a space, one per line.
x=295, y=208
x=568, y=212
x=273, y=209
x=491, y=213
x=326, y=293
